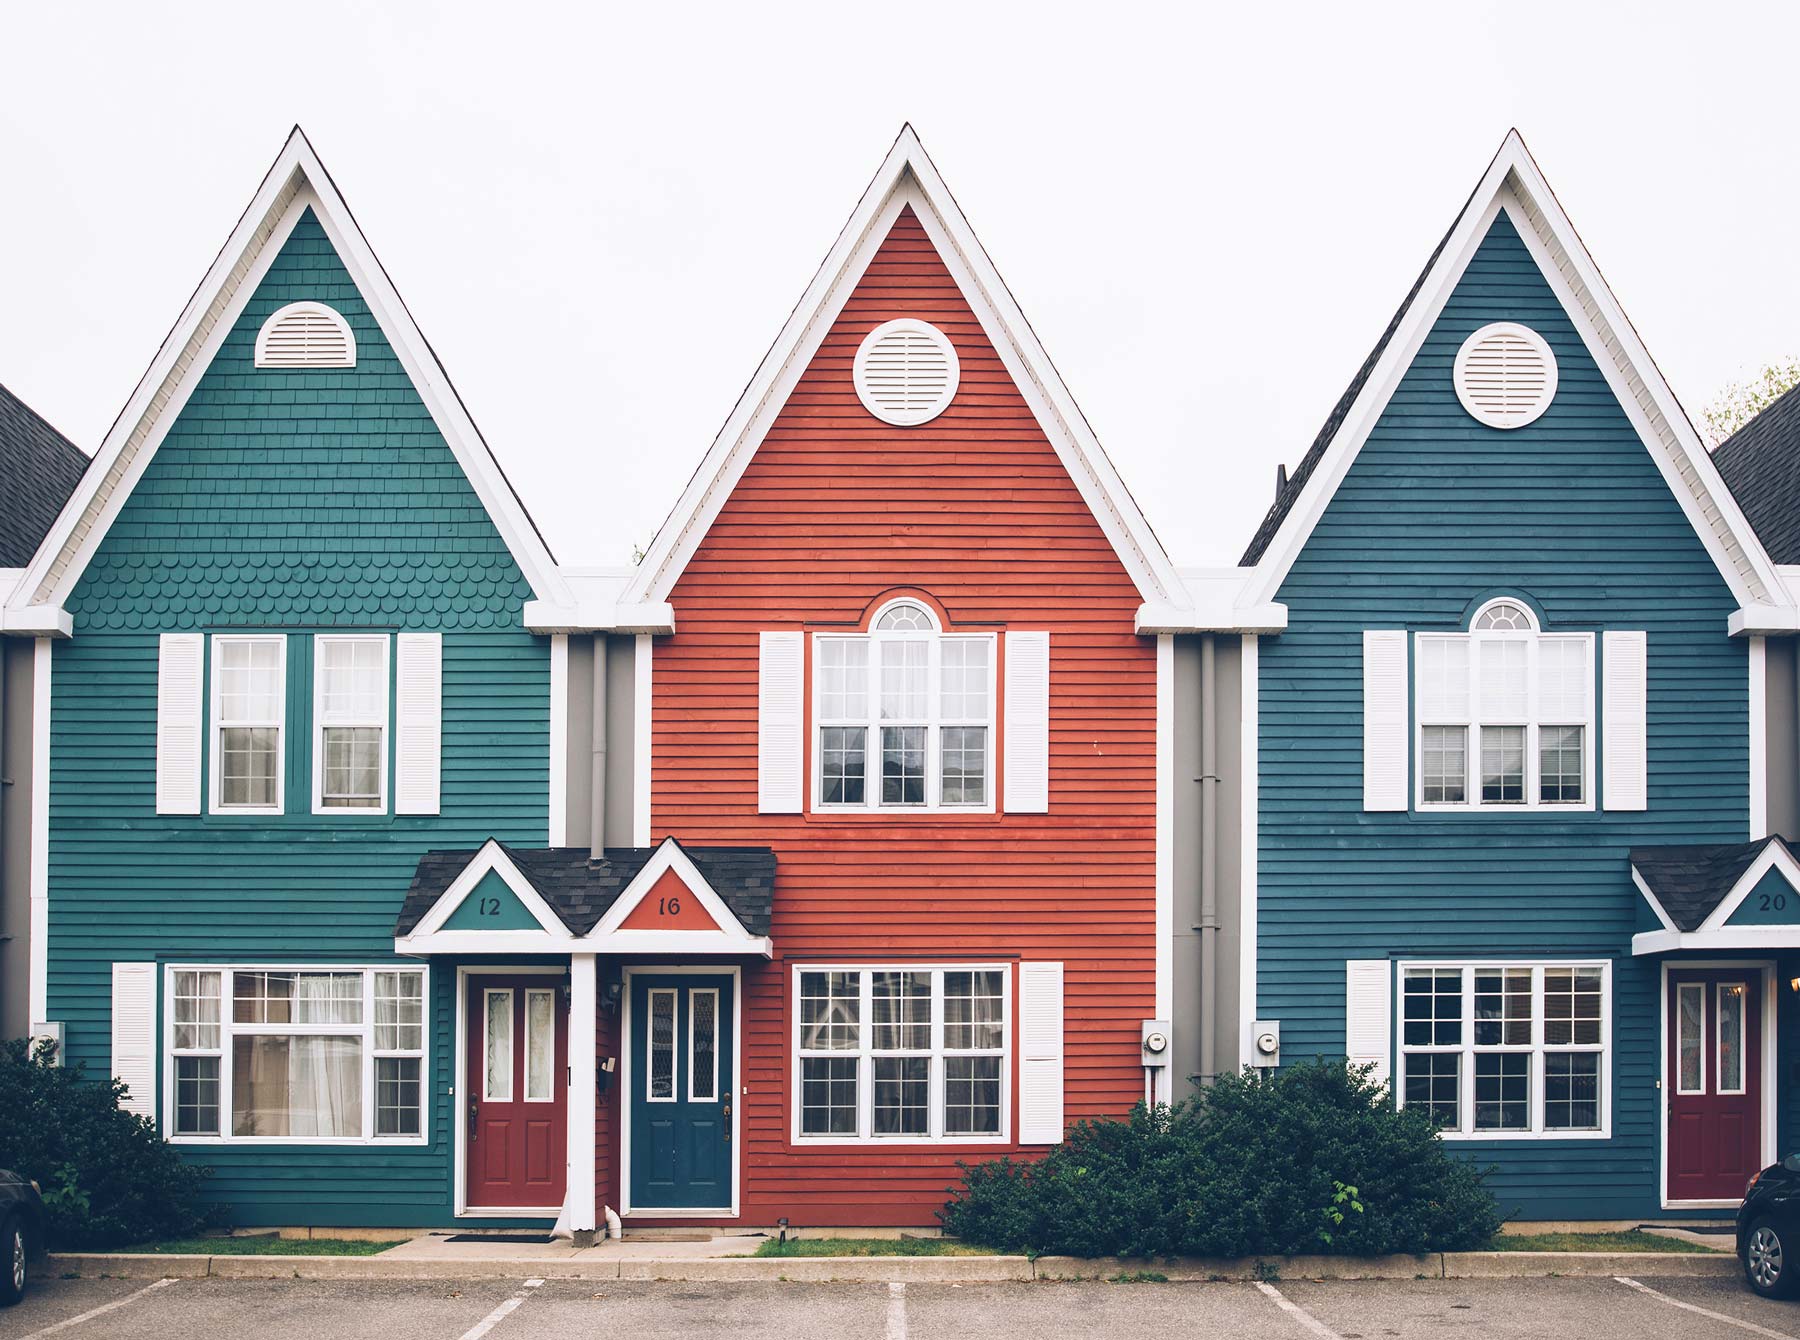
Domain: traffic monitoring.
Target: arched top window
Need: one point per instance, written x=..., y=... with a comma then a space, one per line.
x=905, y=616
x=306, y=335
x=1504, y=616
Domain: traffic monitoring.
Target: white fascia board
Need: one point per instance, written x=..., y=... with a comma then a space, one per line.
x=1209, y=617
x=907, y=177
x=37, y=621
x=484, y=942
x=1764, y=620
x=656, y=616
x=1733, y=938
x=1775, y=856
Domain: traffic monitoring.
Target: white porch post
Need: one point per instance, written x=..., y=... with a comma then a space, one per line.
x=584, y=1007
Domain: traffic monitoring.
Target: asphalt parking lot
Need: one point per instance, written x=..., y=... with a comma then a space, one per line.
x=219, y=1309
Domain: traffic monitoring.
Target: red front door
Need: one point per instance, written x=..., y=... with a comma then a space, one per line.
x=1713, y=1079
x=516, y=1100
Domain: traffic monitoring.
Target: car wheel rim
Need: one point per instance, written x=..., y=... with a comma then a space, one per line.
x=1765, y=1257
x=18, y=1260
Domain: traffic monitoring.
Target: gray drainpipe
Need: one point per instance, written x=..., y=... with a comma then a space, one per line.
x=597, y=808
x=1209, y=862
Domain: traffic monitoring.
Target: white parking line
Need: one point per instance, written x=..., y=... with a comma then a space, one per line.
x=91, y=1313
x=896, y=1314
x=499, y=1314
x=1298, y=1313
x=1704, y=1312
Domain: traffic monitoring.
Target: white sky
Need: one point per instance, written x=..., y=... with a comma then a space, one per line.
x=601, y=216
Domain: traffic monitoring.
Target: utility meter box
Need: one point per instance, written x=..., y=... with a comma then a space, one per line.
x=1154, y=1039
x=1265, y=1042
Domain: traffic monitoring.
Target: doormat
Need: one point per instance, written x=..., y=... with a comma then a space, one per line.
x=534, y=1238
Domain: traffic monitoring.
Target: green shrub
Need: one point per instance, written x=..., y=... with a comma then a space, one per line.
x=108, y=1179
x=1309, y=1158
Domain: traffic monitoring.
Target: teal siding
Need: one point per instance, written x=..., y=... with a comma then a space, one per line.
x=287, y=501
x=491, y=906
x=1437, y=514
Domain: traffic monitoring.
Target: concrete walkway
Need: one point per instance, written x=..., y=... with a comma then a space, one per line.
x=437, y=1247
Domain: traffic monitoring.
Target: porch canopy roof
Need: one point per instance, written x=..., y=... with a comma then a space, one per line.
x=1740, y=895
x=667, y=899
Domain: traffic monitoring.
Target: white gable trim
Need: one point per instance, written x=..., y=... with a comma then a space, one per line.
x=1774, y=856
x=1714, y=932
x=1656, y=906
x=1513, y=183
x=730, y=938
x=296, y=182
x=907, y=177
x=491, y=859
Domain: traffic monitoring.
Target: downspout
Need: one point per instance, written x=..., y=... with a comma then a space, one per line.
x=1209, y=860
x=597, y=800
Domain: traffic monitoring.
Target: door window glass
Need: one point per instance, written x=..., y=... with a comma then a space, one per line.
x=540, y=1045
x=662, y=1047
x=497, y=1082
x=703, y=1044
x=1731, y=1037
x=1690, y=1030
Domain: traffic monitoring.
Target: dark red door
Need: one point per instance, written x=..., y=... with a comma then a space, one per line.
x=1713, y=1077
x=517, y=1101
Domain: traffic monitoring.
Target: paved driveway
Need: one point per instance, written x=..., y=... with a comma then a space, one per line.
x=218, y=1309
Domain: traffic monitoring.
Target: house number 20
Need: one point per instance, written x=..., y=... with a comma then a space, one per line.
x=1772, y=902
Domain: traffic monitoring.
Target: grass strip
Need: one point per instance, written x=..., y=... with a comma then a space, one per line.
x=251, y=1246
x=1632, y=1240
x=868, y=1247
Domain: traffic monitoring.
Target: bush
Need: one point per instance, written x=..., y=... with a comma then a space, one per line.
x=1310, y=1158
x=108, y=1179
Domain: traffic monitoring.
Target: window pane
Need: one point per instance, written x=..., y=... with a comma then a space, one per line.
x=249, y=681
x=197, y=1095
x=828, y=1095
x=540, y=1046
x=830, y=1011
x=1502, y=1091
x=1434, y=1082
x=964, y=668
x=662, y=1045
x=1505, y=688
x=397, y=1095
x=971, y=1095
x=1562, y=679
x=1502, y=765
x=1572, y=1091
x=296, y=1085
x=1572, y=1007
x=1690, y=1029
x=905, y=667
x=1432, y=1007
x=197, y=1010
x=965, y=765
x=904, y=618
x=296, y=997
x=247, y=763
x=841, y=757
x=974, y=1008
x=352, y=767
x=1731, y=1037
x=1504, y=614
x=902, y=1095
x=1503, y=1007
x=703, y=1053
x=353, y=680
x=1444, y=678
x=843, y=679
x=1560, y=764
x=902, y=1011
x=903, y=765
x=399, y=1012
x=1446, y=764
x=497, y=1085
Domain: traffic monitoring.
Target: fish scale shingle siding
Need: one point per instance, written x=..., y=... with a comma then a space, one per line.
x=1436, y=514
x=294, y=501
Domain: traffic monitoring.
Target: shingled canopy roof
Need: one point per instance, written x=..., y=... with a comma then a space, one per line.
x=1690, y=882
x=40, y=468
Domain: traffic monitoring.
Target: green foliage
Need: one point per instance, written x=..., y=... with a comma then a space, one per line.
x=1741, y=402
x=108, y=1179
x=1302, y=1159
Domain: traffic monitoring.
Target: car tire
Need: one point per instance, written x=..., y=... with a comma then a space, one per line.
x=1769, y=1267
x=15, y=1265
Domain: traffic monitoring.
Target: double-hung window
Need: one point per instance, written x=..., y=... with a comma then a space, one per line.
x=350, y=711
x=296, y=1054
x=1505, y=714
x=904, y=715
x=901, y=1053
x=249, y=695
x=1506, y=1050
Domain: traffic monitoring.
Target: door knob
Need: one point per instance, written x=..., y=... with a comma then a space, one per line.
x=725, y=1121
x=472, y=1110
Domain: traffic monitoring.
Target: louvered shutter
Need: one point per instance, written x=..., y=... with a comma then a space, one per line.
x=180, y=674
x=1040, y=1053
x=305, y=335
x=1384, y=720
x=1027, y=724
x=418, y=722
x=1624, y=708
x=1368, y=1013
x=134, y=1035
x=780, y=723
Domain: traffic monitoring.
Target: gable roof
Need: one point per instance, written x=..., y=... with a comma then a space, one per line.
x=1690, y=882
x=296, y=182
x=907, y=178
x=1761, y=463
x=1514, y=185
x=41, y=468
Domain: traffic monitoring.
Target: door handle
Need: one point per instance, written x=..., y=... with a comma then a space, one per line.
x=472, y=1110
x=725, y=1121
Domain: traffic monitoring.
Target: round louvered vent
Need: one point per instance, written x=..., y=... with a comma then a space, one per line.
x=305, y=335
x=1505, y=375
x=906, y=372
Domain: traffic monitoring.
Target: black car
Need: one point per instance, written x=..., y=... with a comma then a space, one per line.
x=1768, y=1230
x=21, y=1233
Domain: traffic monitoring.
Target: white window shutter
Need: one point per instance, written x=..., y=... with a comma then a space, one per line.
x=1368, y=1013
x=1040, y=1053
x=418, y=722
x=134, y=1035
x=1027, y=724
x=1384, y=720
x=780, y=723
x=1624, y=715
x=180, y=674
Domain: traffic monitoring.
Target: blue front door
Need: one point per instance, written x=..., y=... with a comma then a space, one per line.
x=683, y=1076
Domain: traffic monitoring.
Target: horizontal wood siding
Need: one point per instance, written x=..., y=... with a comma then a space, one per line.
x=287, y=501
x=976, y=510
x=1438, y=513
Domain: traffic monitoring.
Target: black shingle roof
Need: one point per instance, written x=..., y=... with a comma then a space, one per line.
x=1761, y=465
x=580, y=892
x=1691, y=881
x=38, y=471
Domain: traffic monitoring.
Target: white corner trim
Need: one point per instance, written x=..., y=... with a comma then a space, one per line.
x=1759, y=738
x=492, y=858
x=38, y=989
x=558, y=827
x=1165, y=828
x=1248, y=710
x=644, y=664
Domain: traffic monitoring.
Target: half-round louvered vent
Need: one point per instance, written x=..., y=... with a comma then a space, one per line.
x=1505, y=375
x=305, y=335
x=906, y=372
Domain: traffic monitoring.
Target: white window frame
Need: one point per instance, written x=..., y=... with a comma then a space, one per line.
x=1531, y=721
x=864, y=1056
x=934, y=721
x=365, y=1030
x=692, y=993
x=381, y=721
x=1465, y=1128
x=216, y=725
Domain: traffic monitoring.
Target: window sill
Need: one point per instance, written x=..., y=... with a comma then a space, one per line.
x=897, y=811
x=1515, y=1137
x=1426, y=810
x=911, y=1141
x=303, y=1142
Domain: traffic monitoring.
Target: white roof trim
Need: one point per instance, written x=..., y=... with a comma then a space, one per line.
x=1774, y=856
x=296, y=181
x=907, y=177
x=1656, y=906
x=1733, y=937
x=730, y=938
x=491, y=859
x=1513, y=183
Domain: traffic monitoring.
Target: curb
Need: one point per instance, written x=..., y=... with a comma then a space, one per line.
x=910, y=1269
